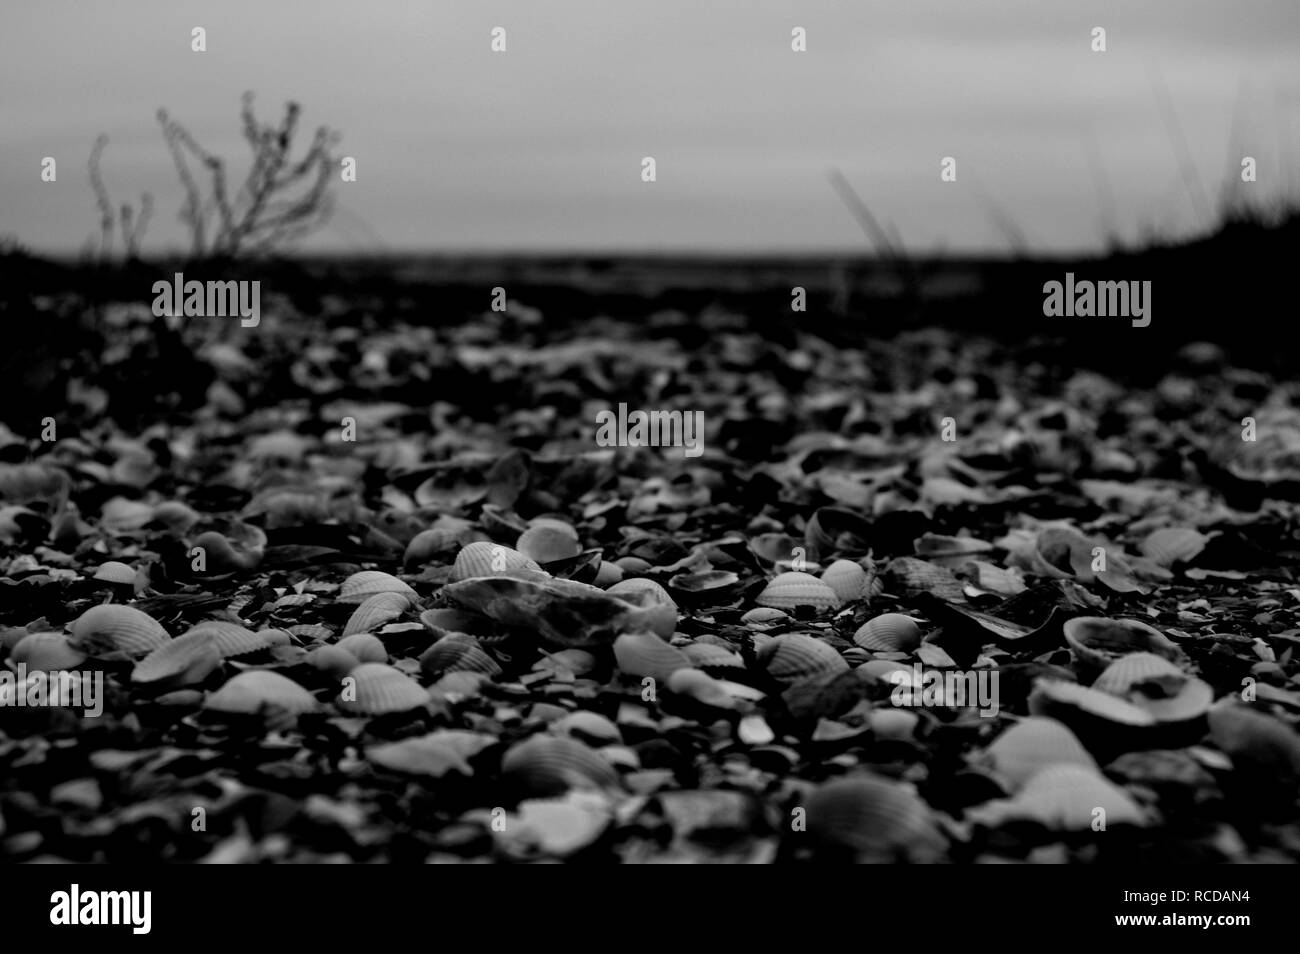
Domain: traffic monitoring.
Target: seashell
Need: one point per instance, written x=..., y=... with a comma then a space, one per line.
x=113, y=628
x=709, y=656
x=794, y=657
x=444, y=620
x=882, y=671
x=590, y=727
x=552, y=765
x=176, y=517
x=375, y=611
x=231, y=639
x=645, y=654
x=309, y=632
x=607, y=574
x=872, y=820
x=484, y=558
x=361, y=586
x=1155, y=684
x=661, y=611
x=1095, y=642
x=45, y=652
x=579, y=662
x=366, y=647
x=221, y=556
x=1260, y=741
x=833, y=530
x=895, y=725
x=765, y=616
x=438, y=542
x=1063, y=797
x=887, y=633
x=849, y=581
x=433, y=755
x=632, y=565
x=258, y=690
x=334, y=660
x=457, y=652
x=115, y=572
x=379, y=689
x=546, y=543
x=701, y=687
x=275, y=637
x=184, y=661
x=1170, y=545
x=792, y=589
x=24, y=484
x=754, y=730
x=1032, y=745
x=909, y=577
x=774, y=548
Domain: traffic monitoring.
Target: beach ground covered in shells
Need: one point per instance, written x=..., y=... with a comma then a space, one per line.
x=364, y=590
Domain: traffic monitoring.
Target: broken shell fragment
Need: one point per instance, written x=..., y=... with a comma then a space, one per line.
x=1155, y=684
x=1095, y=642
x=658, y=608
x=1064, y=797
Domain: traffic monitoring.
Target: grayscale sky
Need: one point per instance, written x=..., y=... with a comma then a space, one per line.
x=539, y=148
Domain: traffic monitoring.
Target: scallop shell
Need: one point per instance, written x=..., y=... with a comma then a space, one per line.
x=590, y=727
x=765, y=616
x=184, y=661
x=873, y=820
x=709, y=656
x=888, y=633
x=792, y=589
x=645, y=654
x=849, y=581
x=701, y=687
x=794, y=657
x=112, y=628
x=365, y=647
x=1063, y=797
x=115, y=572
x=231, y=639
x=552, y=765
x=1095, y=642
x=360, y=586
x=378, y=689
x=660, y=612
x=546, y=543
x=457, y=652
x=375, y=611
x=334, y=660
x=484, y=558
x=1155, y=684
x=256, y=690
x=1032, y=745
x=45, y=652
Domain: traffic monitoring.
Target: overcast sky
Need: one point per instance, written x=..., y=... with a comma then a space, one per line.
x=539, y=148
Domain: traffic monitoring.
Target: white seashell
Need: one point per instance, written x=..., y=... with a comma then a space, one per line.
x=375, y=611
x=360, y=586
x=379, y=689
x=185, y=661
x=1032, y=745
x=890, y=632
x=794, y=657
x=115, y=572
x=645, y=654
x=792, y=589
x=365, y=647
x=112, y=628
x=484, y=558
x=1064, y=797
x=847, y=579
x=259, y=690
x=701, y=687
x=231, y=639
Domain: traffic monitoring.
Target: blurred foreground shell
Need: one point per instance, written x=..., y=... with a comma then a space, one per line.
x=890, y=632
x=457, y=652
x=45, y=652
x=1032, y=745
x=334, y=660
x=1064, y=797
x=552, y=765
x=1155, y=684
x=111, y=628
x=375, y=611
x=701, y=687
x=114, y=571
x=1257, y=740
x=483, y=558
x=1095, y=642
x=360, y=586
x=221, y=555
x=259, y=690
x=849, y=581
x=794, y=657
x=871, y=820
x=185, y=661
x=792, y=589
x=379, y=689
x=433, y=755
x=645, y=654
